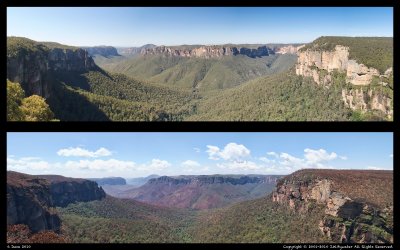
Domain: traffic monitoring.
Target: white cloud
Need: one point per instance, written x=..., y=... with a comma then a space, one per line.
x=315, y=156
x=312, y=158
x=154, y=165
x=197, y=150
x=231, y=151
x=239, y=165
x=273, y=154
x=266, y=160
x=26, y=163
x=101, y=165
x=291, y=161
x=80, y=152
x=213, y=152
x=391, y=155
x=190, y=163
x=85, y=167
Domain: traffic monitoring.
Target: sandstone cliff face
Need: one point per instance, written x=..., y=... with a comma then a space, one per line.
x=199, y=192
x=364, y=100
x=29, y=202
x=66, y=192
x=346, y=220
x=32, y=70
x=31, y=199
x=310, y=62
x=288, y=49
x=204, y=180
x=135, y=50
x=208, y=51
x=320, y=64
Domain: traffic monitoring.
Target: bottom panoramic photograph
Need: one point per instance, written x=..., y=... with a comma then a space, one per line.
x=199, y=188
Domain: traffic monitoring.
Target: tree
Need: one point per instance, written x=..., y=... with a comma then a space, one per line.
x=32, y=108
x=15, y=94
x=35, y=108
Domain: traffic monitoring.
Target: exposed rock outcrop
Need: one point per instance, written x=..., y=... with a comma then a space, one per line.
x=346, y=219
x=32, y=68
x=212, y=179
x=320, y=65
x=364, y=100
x=134, y=50
x=200, y=192
x=208, y=51
x=310, y=62
x=69, y=190
x=31, y=199
x=290, y=49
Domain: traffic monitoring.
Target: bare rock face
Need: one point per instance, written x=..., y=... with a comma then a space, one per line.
x=321, y=191
x=32, y=70
x=320, y=64
x=29, y=202
x=69, y=60
x=208, y=51
x=69, y=190
x=31, y=199
x=359, y=99
x=359, y=74
x=200, y=191
x=288, y=49
x=310, y=62
x=327, y=60
x=346, y=220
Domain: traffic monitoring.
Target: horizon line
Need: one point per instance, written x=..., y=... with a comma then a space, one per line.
x=198, y=44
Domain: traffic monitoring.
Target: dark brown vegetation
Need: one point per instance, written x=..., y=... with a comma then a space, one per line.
x=20, y=233
x=372, y=186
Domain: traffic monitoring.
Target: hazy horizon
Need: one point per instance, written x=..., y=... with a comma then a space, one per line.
x=177, y=45
x=188, y=175
x=173, y=26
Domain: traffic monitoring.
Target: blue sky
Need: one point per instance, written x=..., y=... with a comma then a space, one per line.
x=141, y=154
x=182, y=25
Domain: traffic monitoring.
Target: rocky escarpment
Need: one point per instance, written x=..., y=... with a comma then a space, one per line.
x=105, y=51
x=324, y=65
x=109, y=181
x=364, y=100
x=134, y=50
x=31, y=63
x=200, y=191
x=69, y=190
x=213, y=179
x=208, y=51
x=290, y=49
x=346, y=219
x=311, y=62
x=31, y=199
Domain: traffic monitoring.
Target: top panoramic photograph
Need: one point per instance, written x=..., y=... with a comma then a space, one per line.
x=200, y=64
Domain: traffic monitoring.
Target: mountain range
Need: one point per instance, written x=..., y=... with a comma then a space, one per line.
x=197, y=192
x=307, y=206
x=332, y=78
